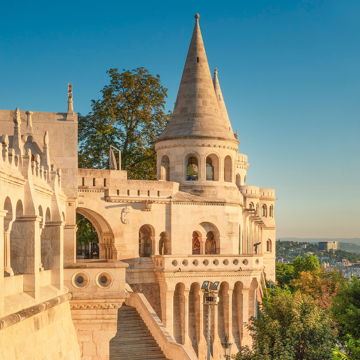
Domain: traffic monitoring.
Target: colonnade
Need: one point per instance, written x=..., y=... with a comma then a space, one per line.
x=185, y=315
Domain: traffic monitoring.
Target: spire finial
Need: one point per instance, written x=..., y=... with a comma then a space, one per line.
x=70, y=111
x=197, y=16
x=17, y=119
x=215, y=71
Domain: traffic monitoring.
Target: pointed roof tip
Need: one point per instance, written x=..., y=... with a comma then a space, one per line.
x=197, y=16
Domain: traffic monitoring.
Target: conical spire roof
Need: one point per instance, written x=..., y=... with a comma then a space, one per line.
x=196, y=112
x=220, y=100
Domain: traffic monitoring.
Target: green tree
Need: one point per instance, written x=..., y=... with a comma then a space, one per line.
x=346, y=309
x=290, y=327
x=284, y=273
x=310, y=263
x=130, y=116
x=86, y=232
x=350, y=350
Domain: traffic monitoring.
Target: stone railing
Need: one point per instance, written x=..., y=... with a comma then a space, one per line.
x=170, y=348
x=208, y=262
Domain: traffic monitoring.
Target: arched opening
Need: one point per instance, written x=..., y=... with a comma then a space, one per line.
x=223, y=311
x=165, y=168
x=264, y=210
x=253, y=298
x=210, y=243
x=191, y=167
x=179, y=314
x=104, y=247
x=238, y=180
x=87, y=239
x=18, y=248
x=251, y=206
x=146, y=238
x=164, y=244
x=7, y=228
x=48, y=215
x=268, y=245
x=196, y=243
x=271, y=211
x=228, y=169
x=212, y=167
x=195, y=304
x=19, y=208
x=238, y=314
x=41, y=214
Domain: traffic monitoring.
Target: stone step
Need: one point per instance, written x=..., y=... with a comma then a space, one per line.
x=133, y=340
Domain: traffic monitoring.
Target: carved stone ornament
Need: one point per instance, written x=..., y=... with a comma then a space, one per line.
x=126, y=215
x=147, y=205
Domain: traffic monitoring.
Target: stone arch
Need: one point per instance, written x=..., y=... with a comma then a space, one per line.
x=164, y=244
x=238, y=180
x=195, y=308
x=271, y=211
x=251, y=205
x=253, y=298
x=223, y=310
x=165, y=168
x=264, y=210
x=146, y=240
x=47, y=215
x=228, y=169
x=212, y=242
x=18, y=248
x=238, y=314
x=179, y=313
x=268, y=245
x=104, y=231
x=19, y=208
x=8, y=220
x=212, y=165
x=192, y=167
x=196, y=243
x=41, y=214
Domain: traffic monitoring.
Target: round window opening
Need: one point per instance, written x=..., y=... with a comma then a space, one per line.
x=80, y=280
x=174, y=263
x=104, y=280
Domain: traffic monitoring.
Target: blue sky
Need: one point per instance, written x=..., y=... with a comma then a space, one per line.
x=289, y=72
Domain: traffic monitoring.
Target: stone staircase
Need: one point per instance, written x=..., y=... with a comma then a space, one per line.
x=133, y=340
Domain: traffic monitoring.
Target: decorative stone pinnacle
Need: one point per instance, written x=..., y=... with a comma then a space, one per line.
x=29, y=121
x=216, y=71
x=197, y=16
x=17, y=119
x=46, y=138
x=5, y=140
x=70, y=100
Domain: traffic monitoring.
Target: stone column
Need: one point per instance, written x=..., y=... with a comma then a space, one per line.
x=70, y=243
x=216, y=342
x=245, y=338
x=186, y=340
x=230, y=314
x=200, y=336
x=167, y=306
x=7, y=256
x=202, y=168
x=2, y=259
x=25, y=234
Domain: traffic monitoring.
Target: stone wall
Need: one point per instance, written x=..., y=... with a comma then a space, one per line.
x=152, y=294
x=47, y=335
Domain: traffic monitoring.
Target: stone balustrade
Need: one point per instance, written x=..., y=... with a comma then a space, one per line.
x=208, y=262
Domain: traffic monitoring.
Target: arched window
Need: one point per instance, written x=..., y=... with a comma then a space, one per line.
x=228, y=169
x=268, y=245
x=251, y=206
x=165, y=168
x=264, y=211
x=212, y=167
x=164, y=244
x=196, y=243
x=210, y=244
x=146, y=238
x=192, y=168
x=238, y=180
x=41, y=214
x=48, y=215
x=271, y=211
x=19, y=208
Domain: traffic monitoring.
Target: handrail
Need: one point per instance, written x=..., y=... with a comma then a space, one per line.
x=171, y=349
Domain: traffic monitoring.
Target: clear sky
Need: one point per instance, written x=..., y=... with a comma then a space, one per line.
x=289, y=72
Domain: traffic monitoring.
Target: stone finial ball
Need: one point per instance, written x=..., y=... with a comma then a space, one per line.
x=197, y=16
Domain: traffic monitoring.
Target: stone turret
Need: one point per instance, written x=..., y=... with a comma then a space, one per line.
x=198, y=147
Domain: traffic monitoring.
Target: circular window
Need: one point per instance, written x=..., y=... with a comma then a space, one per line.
x=236, y=262
x=257, y=261
x=226, y=262
x=174, y=263
x=80, y=280
x=104, y=280
x=216, y=262
x=206, y=262
x=185, y=262
x=195, y=263
x=245, y=262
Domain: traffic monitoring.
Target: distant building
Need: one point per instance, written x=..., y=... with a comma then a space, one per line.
x=329, y=245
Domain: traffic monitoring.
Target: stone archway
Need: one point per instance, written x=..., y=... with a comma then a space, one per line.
x=105, y=234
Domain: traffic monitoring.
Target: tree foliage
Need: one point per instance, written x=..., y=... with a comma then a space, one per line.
x=346, y=309
x=86, y=232
x=130, y=116
x=284, y=274
x=310, y=263
x=290, y=327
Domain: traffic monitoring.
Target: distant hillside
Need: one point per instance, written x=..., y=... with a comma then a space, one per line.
x=355, y=241
x=350, y=247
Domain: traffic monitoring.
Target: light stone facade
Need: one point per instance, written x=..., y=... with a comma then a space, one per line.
x=199, y=221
